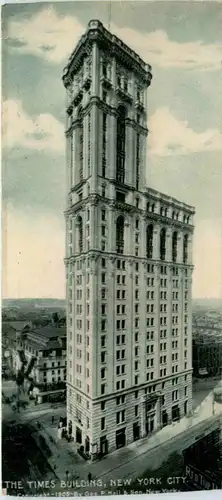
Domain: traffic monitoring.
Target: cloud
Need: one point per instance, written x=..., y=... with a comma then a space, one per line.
x=207, y=255
x=30, y=267
x=169, y=136
x=53, y=37
x=42, y=133
x=46, y=35
x=157, y=49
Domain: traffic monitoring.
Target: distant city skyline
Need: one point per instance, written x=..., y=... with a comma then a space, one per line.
x=181, y=41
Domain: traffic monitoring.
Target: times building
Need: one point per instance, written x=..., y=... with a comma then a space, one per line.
x=128, y=258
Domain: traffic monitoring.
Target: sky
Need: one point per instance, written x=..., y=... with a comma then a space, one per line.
x=182, y=42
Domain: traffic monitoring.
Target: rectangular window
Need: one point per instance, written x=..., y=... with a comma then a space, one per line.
x=103, y=357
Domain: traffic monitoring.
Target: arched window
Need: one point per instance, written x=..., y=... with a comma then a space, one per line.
x=120, y=144
x=80, y=235
x=149, y=241
x=174, y=246
x=185, y=248
x=120, y=234
x=80, y=145
x=163, y=244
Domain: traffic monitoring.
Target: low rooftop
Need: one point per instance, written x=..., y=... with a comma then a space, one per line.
x=169, y=200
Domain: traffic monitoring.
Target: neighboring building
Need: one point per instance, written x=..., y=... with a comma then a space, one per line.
x=7, y=332
x=18, y=326
x=207, y=354
x=128, y=258
x=44, y=353
x=203, y=461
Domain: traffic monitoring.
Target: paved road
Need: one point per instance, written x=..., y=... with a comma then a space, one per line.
x=145, y=464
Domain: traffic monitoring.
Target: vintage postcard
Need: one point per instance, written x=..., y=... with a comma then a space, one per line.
x=112, y=265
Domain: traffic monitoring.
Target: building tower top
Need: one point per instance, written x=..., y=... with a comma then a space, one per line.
x=96, y=32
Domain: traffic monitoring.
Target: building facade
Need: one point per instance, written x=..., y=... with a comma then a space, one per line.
x=128, y=258
x=207, y=355
x=43, y=353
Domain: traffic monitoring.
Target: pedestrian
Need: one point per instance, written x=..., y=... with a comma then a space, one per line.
x=89, y=476
x=53, y=419
x=67, y=475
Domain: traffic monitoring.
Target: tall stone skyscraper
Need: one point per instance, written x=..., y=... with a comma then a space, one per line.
x=128, y=258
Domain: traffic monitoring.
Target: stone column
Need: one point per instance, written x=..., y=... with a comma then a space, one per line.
x=85, y=146
x=111, y=145
x=69, y=164
x=143, y=226
x=129, y=159
x=127, y=237
x=111, y=225
x=157, y=418
x=142, y=171
x=73, y=159
x=95, y=70
x=94, y=227
x=190, y=248
x=76, y=155
x=156, y=242
x=143, y=417
x=168, y=245
x=95, y=148
x=179, y=247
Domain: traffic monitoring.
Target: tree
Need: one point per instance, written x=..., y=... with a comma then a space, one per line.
x=55, y=318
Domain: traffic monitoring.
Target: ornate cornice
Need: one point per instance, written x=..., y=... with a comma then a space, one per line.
x=130, y=260
x=111, y=44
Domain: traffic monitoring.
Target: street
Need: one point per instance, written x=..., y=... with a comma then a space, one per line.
x=201, y=389
x=45, y=458
x=22, y=459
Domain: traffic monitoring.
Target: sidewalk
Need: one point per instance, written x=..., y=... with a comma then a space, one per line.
x=64, y=456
